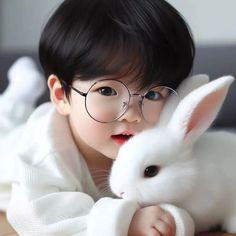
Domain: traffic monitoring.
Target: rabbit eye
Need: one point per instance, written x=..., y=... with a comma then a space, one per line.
x=151, y=171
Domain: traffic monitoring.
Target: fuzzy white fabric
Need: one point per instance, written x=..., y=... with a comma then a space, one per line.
x=53, y=192
x=26, y=83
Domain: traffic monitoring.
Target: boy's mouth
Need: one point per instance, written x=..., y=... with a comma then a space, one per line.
x=121, y=138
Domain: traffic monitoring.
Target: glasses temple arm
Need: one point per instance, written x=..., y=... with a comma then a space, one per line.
x=75, y=89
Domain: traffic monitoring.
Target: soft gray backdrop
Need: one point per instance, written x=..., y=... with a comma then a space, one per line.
x=21, y=21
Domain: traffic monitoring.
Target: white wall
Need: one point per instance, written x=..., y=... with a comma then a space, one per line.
x=21, y=21
x=212, y=21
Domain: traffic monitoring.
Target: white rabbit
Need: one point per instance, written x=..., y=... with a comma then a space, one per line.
x=183, y=90
x=178, y=164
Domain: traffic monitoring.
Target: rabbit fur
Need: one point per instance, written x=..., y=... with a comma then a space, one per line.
x=195, y=170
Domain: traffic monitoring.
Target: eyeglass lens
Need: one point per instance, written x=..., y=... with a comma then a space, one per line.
x=108, y=100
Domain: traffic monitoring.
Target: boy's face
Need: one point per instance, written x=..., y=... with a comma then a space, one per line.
x=94, y=138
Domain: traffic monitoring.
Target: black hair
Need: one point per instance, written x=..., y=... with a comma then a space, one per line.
x=88, y=39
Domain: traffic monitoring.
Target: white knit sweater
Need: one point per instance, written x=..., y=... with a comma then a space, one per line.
x=53, y=192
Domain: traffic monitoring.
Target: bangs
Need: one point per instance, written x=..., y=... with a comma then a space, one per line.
x=115, y=57
x=127, y=56
x=150, y=59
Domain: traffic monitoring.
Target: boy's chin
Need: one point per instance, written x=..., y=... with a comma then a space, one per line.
x=111, y=154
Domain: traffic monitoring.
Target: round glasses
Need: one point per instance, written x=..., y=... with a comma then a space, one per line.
x=108, y=100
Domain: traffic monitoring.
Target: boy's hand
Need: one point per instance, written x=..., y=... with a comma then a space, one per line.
x=152, y=221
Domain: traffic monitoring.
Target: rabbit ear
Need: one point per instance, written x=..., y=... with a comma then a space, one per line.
x=184, y=89
x=197, y=111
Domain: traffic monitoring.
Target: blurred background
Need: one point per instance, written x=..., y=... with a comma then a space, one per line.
x=21, y=21
x=213, y=24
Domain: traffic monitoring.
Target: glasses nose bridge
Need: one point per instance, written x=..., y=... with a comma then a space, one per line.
x=140, y=101
x=140, y=96
x=137, y=95
x=133, y=108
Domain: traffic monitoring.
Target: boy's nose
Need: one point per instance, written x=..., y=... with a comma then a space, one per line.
x=134, y=110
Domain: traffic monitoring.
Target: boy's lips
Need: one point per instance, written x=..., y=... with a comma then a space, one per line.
x=122, y=137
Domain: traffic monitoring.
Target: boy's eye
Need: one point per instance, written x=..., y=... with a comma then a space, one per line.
x=153, y=96
x=107, y=91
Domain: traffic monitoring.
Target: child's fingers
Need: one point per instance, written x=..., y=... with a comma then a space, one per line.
x=163, y=228
x=169, y=219
x=154, y=232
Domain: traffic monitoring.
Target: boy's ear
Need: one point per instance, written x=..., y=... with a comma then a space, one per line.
x=57, y=95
